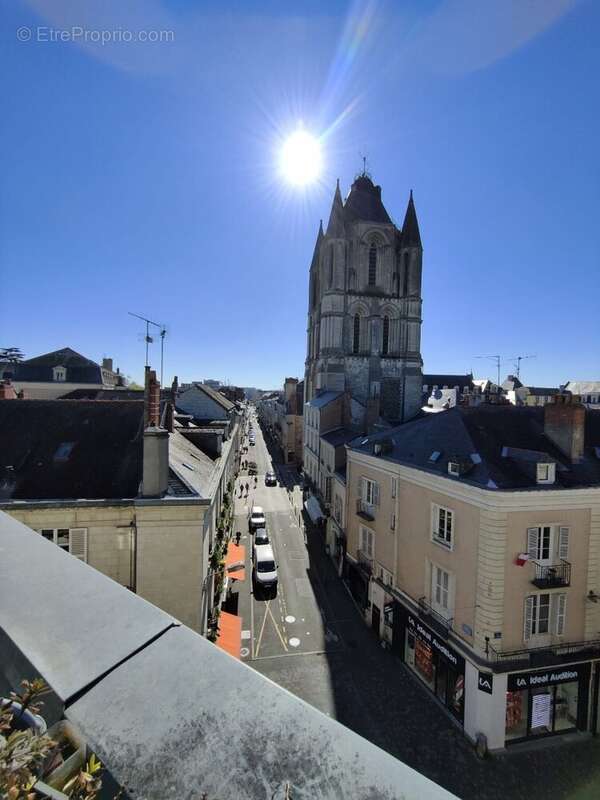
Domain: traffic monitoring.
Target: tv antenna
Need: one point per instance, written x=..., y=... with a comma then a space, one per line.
x=518, y=360
x=149, y=339
x=498, y=361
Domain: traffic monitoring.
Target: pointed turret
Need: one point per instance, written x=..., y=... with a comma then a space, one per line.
x=410, y=228
x=335, y=226
x=317, y=244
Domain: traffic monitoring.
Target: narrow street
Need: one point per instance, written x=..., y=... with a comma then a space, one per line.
x=310, y=638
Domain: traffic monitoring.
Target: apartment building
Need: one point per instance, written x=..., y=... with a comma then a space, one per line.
x=473, y=546
x=134, y=492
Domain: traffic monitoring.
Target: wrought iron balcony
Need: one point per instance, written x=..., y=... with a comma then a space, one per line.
x=551, y=576
x=365, y=510
x=551, y=655
x=440, y=624
x=365, y=562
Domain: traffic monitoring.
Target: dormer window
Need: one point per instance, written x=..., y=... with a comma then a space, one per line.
x=546, y=473
x=59, y=373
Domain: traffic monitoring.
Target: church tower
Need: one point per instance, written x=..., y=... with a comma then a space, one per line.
x=364, y=308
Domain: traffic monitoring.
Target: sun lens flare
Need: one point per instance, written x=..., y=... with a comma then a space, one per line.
x=301, y=158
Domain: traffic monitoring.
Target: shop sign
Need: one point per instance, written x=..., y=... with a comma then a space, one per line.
x=486, y=682
x=533, y=680
x=421, y=631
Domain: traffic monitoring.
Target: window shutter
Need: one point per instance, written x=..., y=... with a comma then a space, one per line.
x=361, y=489
x=394, y=487
x=560, y=610
x=533, y=535
x=563, y=543
x=529, y=601
x=375, y=494
x=78, y=543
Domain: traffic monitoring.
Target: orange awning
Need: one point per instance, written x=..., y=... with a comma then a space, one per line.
x=230, y=634
x=236, y=554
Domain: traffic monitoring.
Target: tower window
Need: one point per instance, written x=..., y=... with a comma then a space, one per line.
x=356, y=335
x=372, y=265
x=405, y=274
x=331, y=267
x=385, y=344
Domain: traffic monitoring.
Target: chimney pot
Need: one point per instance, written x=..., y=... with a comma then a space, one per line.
x=564, y=425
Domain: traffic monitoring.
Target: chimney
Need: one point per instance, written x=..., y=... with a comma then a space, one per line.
x=107, y=363
x=564, y=425
x=7, y=390
x=174, y=389
x=155, y=466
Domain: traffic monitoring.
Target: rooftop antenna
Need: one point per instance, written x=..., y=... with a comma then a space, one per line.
x=149, y=340
x=498, y=361
x=518, y=363
x=364, y=173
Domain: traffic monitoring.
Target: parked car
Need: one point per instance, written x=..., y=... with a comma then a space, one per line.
x=256, y=518
x=261, y=536
x=265, y=568
x=252, y=468
x=270, y=479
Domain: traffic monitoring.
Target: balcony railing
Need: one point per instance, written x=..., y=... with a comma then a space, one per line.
x=365, y=562
x=440, y=624
x=365, y=510
x=550, y=576
x=553, y=654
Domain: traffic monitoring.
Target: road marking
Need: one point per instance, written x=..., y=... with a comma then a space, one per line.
x=290, y=619
x=263, y=627
x=246, y=635
x=294, y=641
x=244, y=652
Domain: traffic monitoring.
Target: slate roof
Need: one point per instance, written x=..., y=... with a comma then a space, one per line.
x=339, y=437
x=79, y=368
x=321, y=400
x=104, y=394
x=448, y=380
x=216, y=396
x=105, y=458
x=478, y=435
x=364, y=203
x=511, y=383
x=583, y=387
x=411, y=236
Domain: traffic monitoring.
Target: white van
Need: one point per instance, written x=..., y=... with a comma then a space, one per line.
x=265, y=568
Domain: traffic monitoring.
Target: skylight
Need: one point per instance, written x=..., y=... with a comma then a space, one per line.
x=434, y=456
x=188, y=466
x=63, y=451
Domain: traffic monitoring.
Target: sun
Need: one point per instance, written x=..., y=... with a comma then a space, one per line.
x=300, y=158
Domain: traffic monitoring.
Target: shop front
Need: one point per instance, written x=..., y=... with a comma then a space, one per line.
x=432, y=660
x=547, y=702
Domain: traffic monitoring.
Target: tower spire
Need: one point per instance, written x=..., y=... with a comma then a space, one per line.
x=335, y=226
x=411, y=236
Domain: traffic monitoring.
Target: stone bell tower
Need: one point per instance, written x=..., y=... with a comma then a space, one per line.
x=364, y=307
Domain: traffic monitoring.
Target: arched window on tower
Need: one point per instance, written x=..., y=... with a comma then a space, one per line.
x=372, y=265
x=385, y=343
x=331, y=267
x=356, y=335
x=405, y=274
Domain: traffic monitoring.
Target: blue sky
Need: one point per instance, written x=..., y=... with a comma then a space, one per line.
x=141, y=176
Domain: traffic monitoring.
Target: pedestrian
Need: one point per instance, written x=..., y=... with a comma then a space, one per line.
x=247, y=487
x=238, y=536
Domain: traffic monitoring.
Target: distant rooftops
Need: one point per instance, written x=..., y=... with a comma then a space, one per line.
x=492, y=442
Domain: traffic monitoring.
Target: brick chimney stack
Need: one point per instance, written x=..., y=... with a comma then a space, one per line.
x=7, y=390
x=155, y=467
x=564, y=425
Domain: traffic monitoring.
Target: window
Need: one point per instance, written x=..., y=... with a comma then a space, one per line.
x=442, y=526
x=440, y=590
x=356, y=334
x=545, y=473
x=337, y=509
x=548, y=543
x=72, y=540
x=393, y=522
x=372, y=265
x=370, y=492
x=367, y=542
x=544, y=614
x=386, y=336
x=59, y=373
x=405, y=274
x=331, y=256
x=394, y=487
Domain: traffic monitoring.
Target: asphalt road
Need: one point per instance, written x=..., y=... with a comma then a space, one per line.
x=311, y=639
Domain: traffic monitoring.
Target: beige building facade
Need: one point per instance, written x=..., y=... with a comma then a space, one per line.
x=489, y=597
